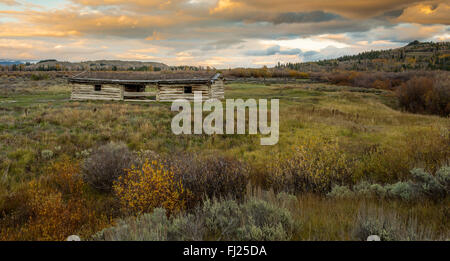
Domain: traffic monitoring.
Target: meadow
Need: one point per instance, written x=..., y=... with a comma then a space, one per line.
x=332, y=139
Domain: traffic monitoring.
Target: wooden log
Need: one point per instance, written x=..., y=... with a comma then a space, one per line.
x=166, y=90
x=94, y=97
x=133, y=100
x=139, y=94
x=132, y=82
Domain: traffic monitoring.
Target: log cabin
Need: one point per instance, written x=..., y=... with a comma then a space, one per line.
x=148, y=86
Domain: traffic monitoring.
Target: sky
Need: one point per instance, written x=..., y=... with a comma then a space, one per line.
x=217, y=33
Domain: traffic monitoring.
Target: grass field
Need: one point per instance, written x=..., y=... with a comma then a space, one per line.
x=365, y=125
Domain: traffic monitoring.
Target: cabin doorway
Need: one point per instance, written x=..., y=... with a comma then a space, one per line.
x=138, y=92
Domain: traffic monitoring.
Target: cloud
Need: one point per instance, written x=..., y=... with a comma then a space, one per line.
x=183, y=19
x=406, y=32
x=273, y=50
x=346, y=8
x=156, y=36
x=426, y=14
x=9, y=2
x=136, y=56
x=222, y=44
x=220, y=32
x=39, y=49
x=224, y=5
x=10, y=30
x=161, y=4
x=310, y=54
x=312, y=17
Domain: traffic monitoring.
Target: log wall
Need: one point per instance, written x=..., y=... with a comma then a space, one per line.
x=171, y=92
x=166, y=92
x=87, y=92
x=218, y=90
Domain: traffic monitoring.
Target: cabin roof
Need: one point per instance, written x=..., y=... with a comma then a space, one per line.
x=132, y=78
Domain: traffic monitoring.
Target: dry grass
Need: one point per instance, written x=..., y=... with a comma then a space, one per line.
x=336, y=219
x=384, y=143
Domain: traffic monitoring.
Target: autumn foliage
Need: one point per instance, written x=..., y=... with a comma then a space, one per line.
x=151, y=186
x=313, y=167
x=417, y=92
x=53, y=208
x=426, y=95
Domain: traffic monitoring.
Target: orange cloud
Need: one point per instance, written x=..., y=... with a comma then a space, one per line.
x=426, y=14
x=205, y=31
x=134, y=4
x=60, y=23
x=347, y=8
x=9, y=2
x=10, y=30
x=156, y=36
x=135, y=56
x=224, y=6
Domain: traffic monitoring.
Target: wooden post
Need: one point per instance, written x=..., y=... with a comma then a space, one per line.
x=71, y=93
x=157, y=92
x=210, y=91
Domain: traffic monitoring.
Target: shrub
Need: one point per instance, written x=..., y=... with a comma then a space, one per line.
x=402, y=190
x=388, y=226
x=375, y=224
x=65, y=177
x=439, y=101
x=222, y=219
x=313, y=167
x=443, y=176
x=39, y=77
x=417, y=92
x=374, y=190
x=47, y=154
x=186, y=227
x=149, y=227
x=421, y=185
x=204, y=176
x=215, y=220
x=211, y=176
x=340, y=192
x=363, y=189
x=83, y=154
x=155, y=226
x=106, y=164
x=266, y=222
x=151, y=186
x=382, y=164
x=52, y=218
x=412, y=94
x=435, y=187
x=426, y=95
x=22, y=161
x=52, y=208
x=252, y=220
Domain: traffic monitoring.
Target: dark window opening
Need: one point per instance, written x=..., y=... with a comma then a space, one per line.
x=134, y=88
x=97, y=88
x=187, y=89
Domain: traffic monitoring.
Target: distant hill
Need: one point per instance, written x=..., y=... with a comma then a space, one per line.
x=414, y=56
x=16, y=62
x=100, y=65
